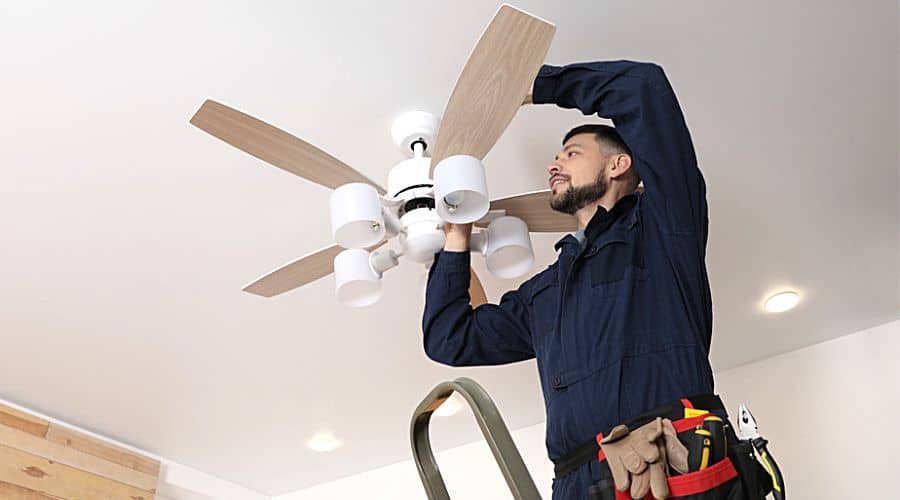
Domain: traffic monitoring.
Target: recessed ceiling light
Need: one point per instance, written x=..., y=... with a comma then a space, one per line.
x=450, y=407
x=781, y=302
x=323, y=442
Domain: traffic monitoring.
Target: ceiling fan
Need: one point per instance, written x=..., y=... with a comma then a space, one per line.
x=423, y=192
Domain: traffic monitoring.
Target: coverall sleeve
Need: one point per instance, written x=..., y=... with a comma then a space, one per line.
x=458, y=335
x=643, y=107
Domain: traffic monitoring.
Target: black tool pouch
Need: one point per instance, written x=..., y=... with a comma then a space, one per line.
x=755, y=481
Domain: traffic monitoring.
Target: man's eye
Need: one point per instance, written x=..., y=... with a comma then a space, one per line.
x=571, y=153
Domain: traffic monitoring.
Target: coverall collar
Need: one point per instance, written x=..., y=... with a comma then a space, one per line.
x=603, y=219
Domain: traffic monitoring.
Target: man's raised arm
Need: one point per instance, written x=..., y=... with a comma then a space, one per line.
x=644, y=109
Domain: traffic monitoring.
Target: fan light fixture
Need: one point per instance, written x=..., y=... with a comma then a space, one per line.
x=423, y=237
x=356, y=218
x=357, y=275
x=441, y=181
x=781, y=302
x=460, y=189
x=506, y=246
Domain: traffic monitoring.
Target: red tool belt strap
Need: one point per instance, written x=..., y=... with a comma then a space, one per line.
x=674, y=411
x=694, y=482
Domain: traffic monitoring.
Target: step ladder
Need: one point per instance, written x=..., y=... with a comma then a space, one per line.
x=493, y=429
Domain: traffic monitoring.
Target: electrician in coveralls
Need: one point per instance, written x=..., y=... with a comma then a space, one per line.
x=621, y=323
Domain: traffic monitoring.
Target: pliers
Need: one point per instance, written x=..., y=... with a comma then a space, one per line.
x=749, y=430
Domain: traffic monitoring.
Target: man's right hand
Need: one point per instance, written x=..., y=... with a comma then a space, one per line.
x=457, y=237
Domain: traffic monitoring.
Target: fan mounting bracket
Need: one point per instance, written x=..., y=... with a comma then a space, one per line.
x=415, y=127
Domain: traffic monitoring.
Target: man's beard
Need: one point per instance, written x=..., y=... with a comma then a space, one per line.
x=576, y=198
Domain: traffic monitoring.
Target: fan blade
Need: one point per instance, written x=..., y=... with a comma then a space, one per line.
x=534, y=209
x=304, y=270
x=275, y=146
x=476, y=291
x=493, y=83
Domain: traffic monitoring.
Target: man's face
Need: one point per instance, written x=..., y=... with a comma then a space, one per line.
x=577, y=174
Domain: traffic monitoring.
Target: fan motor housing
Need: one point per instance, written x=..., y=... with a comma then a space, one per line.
x=409, y=179
x=410, y=185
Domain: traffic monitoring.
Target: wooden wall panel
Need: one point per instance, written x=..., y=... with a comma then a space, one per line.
x=65, y=455
x=41, y=475
x=40, y=460
x=106, y=451
x=13, y=492
x=11, y=417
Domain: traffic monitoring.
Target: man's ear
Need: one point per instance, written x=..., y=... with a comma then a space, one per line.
x=621, y=163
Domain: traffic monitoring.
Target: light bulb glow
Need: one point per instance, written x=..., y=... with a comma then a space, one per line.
x=323, y=442
x=781, y=302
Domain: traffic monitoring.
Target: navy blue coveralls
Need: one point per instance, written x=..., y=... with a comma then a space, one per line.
x=623, y=323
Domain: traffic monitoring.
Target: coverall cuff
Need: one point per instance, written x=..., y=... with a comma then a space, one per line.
x=448, y=262
x=544, y=91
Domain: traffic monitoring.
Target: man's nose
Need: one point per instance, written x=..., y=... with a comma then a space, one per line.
x=553, y=168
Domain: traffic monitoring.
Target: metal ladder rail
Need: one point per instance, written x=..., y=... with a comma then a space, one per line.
x=493, y=429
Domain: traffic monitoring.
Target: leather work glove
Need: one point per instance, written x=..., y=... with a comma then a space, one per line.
x=637, y=459
x=676, y=452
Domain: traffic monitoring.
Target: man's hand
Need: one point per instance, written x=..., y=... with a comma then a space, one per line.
x=457, y=237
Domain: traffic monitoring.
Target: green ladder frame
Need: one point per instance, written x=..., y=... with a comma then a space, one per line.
x=493, y=429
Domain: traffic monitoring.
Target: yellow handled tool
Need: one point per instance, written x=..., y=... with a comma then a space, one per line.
x=749, y=430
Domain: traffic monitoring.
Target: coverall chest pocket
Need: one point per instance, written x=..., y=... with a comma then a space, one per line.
x=543, y=300
x=613, y=263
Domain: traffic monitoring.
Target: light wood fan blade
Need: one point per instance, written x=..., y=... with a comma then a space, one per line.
x=304, y=270
x=476, y=291
x=275, y=146
x=534, y=209
x=493, y=83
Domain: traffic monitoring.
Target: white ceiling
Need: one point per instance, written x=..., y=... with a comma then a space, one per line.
x=126, y=234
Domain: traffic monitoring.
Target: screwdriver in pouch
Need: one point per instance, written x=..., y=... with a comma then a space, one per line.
x=719, y=442
x=698, y=449
x=707, y=445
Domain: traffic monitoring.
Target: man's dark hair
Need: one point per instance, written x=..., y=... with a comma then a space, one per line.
x=610, y=143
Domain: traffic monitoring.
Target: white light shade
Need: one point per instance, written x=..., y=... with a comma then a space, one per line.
x=323, y=442
x=781, y=302
x=423, y=237
x=460, y=189
x=356, y=219
x=508, y=251
x=357, y=284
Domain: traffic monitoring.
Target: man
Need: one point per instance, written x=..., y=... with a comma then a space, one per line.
x=621, y=323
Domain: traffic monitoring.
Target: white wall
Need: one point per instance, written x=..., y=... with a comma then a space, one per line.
x=831, y=412
x=469, y=472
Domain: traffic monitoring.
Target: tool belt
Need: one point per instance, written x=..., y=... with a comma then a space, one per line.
x=720, y=465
